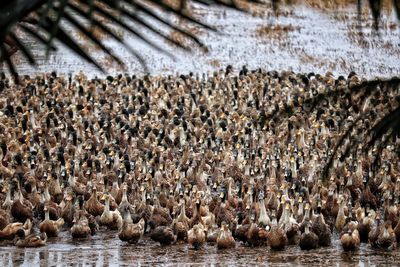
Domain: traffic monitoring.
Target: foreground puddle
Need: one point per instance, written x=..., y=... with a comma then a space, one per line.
x=108, y=250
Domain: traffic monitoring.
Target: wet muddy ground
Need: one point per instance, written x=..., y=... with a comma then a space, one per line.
x=301, y=38
x=105, y=249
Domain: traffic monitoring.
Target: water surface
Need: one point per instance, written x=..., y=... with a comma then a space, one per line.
x=105, y=249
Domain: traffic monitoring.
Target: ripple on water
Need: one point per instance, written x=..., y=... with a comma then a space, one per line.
x=106, y=249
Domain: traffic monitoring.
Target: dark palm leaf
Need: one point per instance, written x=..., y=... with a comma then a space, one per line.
x=45, y=20
x=374, y=136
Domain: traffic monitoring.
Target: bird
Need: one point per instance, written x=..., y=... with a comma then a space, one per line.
x=225, y=239
x=129, y=231
x=81, y=228
x=197, y=236
x=308, y=239
x=32, y=240
x=163, y=234
x=50, y=227
x=350, y=239
x=111, y=219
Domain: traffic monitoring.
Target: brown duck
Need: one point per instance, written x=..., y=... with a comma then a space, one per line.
x=33, y=240
x=50, y=227
x=308, y=239
x=350, y=239
x=225, y=239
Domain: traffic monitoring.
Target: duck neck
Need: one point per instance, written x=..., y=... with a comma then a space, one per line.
x=20, y=195
x=196, y=210
x=107, y=206
x=47, y=215
x=350, y=181
x=115, y=185
x=229, y=189
x=300, y=211
x=127, y=217
x=272, y=171
x=307, y=230
x=8, y=197
x=124, y=196
x=156, y=203
x=385, y=232
x=182, y=214
x=57, y=186
x=71, y=180
x=263, y=211
x=34, y=188
x=359, y=170
x=94, y=194
x=341, y=209
x=46, y=194
x=287, y=216
x=144, y=197
x=307, y=214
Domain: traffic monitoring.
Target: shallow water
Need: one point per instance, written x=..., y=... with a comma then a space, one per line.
x=312, y=40
x=105, y=249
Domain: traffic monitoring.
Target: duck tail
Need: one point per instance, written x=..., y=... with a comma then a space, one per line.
x=43, y=237
x=27, y=225
x=60, y=222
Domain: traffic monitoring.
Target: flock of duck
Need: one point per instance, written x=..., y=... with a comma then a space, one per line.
x=189, y=159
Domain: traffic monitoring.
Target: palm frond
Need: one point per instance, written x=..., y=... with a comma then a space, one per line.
x=45, y=20
x=357, y=136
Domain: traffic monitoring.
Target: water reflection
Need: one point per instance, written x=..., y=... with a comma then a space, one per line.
x=108, y=250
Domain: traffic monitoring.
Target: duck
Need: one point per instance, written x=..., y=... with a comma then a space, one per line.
x=196, y=217
x=365, y=226
x=77, y=188
x=162, y=234
x=124, y=200
x=111, y=219
x=93, y=205
x=308, y=239
x=223, y=212
x=397, y=231
x=257, y=236
x=7, y=202
x=212, y=234
x=131, y=232
x=50, y=227
x=19, y=210
x=241, y=232
x=375, y=232
x=32, y=240
x=277, y=238
x=386, y=238
x=4, y=218
x=322, y=230
x=54, y=209
x=180, y=225
x=341, y=217
x=81, y=228
x=160, y=216
x=350, y=238
x=225, y=239
x=55, y=188
x=263, y=219
x=11, y=229
x=197, y=236
x=68, y=210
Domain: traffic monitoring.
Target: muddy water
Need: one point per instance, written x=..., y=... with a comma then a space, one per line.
x=105, y=249
x=301, y=39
